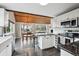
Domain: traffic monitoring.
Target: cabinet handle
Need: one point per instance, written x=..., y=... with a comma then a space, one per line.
x=7, y=45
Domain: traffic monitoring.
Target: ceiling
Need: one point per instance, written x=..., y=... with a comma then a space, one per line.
x=51, y=9
x=29, y=18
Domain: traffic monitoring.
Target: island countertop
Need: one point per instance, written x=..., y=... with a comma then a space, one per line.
x=45, y=34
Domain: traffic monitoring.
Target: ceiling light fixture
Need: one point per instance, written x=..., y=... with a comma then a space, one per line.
x=43, y=4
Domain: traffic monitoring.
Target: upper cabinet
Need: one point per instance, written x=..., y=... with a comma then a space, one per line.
x=70, y=19
x=4, y=17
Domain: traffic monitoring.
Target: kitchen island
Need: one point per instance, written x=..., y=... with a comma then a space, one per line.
x=46, y=40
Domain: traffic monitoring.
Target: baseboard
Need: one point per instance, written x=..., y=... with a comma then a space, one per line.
x=48, y=48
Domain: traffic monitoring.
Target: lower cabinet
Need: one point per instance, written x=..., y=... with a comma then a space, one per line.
x=46, y=41
x=62, y=39
x=56, y=41
x=7, y=51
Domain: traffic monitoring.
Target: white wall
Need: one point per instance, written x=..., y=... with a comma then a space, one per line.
x=18, y=30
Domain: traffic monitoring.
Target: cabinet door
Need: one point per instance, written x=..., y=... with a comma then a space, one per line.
x=51, y=41
x=44, y=42
x=40, y=38
x=1, y=17
x=3, y=52
x=62, y=39
x=7, y=51
x=6, y=18
x=48, y=42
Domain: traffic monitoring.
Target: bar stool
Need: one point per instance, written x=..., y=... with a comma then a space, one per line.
x=35, y=40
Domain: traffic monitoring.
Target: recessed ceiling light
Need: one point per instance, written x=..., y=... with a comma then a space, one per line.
x=43, y=4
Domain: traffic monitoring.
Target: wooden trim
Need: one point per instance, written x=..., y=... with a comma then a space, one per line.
x=29, y=13
x=26, y=18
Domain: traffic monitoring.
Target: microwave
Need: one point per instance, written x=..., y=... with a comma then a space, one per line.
x=74, y=22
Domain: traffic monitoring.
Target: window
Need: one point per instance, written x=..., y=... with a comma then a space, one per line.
x=40, y=28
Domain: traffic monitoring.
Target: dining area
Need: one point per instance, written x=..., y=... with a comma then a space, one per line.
x=29, y=38
x=26, y=46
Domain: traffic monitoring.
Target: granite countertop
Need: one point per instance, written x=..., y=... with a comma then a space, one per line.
x=71, y=48
x=46, y=34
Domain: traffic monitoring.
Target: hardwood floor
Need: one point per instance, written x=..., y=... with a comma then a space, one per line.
x=28, y=49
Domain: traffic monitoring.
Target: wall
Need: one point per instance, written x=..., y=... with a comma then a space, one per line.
x=31, y=26
x=18, y=30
